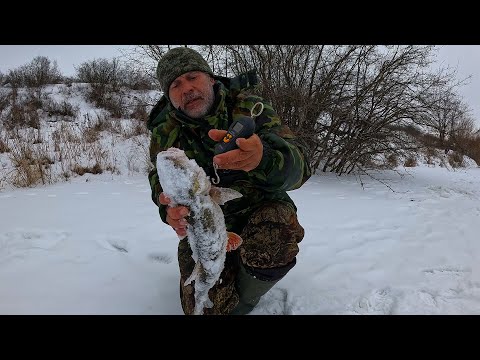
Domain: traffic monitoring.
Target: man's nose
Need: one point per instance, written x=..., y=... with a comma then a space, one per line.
x=187, y=88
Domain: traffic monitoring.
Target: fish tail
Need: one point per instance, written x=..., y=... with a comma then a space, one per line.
x=201, y=305
x=234, y=241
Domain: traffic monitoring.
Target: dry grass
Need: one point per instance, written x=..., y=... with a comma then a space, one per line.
x=455, y=159
x=410, y=162
x=31, y=165
x=4, y=146
x=392, y=161
x=81, y=170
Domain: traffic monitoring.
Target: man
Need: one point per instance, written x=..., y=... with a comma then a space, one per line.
x=193, y=114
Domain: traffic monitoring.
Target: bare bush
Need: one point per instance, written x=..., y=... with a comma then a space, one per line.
x=61, y=111
x=21, y=115
x=144, y=59
x=101, y=72
x=105, y=78
x=468, y=144
x=115, y=105
x=136, y=79
x=39, y=72
x=347, y=103
x=23, y=109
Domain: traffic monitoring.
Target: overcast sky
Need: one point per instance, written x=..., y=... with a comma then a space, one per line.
x=463, y=57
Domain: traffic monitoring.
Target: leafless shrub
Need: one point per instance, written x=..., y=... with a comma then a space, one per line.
x=21, y=115
x=135, y=78
x=39, y=72
x=348, y=104
x=115, y=105
x=60, y=111
x=101, y=72
x=103, y=76
x=23, y=110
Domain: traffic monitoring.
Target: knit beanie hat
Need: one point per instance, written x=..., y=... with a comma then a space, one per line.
x=178, y=61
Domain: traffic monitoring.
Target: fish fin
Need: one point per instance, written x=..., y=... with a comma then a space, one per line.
x=195, y=273
x=221, y=195
x=234, y=241
x=208, y=303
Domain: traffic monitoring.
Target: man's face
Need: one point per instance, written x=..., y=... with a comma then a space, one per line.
x=192, y=93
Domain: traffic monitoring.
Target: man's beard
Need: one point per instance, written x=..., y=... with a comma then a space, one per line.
x=206, y=101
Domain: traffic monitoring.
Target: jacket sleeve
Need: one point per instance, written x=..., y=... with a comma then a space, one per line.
x=284, y=165
x=163, y=135
x=156, y=187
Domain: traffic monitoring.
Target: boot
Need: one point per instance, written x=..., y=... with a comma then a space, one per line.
x=251, y=284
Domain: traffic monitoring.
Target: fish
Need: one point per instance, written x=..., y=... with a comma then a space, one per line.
x=186, y=184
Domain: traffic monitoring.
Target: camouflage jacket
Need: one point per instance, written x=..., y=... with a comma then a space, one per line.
x=283, y=166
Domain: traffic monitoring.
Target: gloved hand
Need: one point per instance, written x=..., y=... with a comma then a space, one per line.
x=246, y=157
x=175, y=216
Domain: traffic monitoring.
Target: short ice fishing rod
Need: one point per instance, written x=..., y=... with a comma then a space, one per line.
x=243, y=127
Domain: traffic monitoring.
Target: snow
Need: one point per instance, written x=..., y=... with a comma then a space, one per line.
x=95, y=244
x=99, y=247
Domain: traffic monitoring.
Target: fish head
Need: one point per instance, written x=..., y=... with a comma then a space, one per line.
x=178, y=171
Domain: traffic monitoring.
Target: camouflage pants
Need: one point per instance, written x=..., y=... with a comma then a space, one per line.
x=270, y=240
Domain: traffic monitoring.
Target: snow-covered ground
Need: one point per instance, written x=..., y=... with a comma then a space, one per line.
x=96, y=245
x=405, y=242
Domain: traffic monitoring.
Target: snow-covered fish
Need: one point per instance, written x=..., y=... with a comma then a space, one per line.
x=186, y=184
